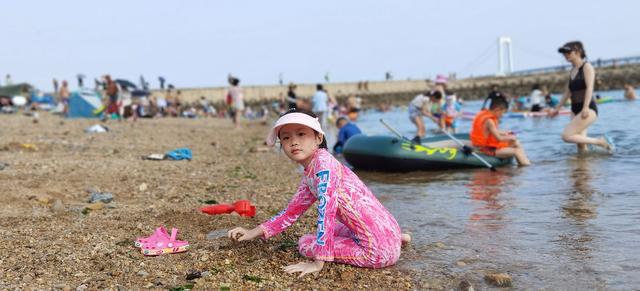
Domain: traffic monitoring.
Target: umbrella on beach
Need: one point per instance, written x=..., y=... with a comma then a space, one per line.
x=126, y=83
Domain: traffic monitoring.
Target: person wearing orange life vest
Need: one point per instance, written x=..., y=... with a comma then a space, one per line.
x=491, y=141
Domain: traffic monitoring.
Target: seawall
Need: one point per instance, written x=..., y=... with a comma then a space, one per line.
x=401, y=91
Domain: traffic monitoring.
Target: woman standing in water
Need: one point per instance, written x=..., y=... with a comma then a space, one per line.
x=583, y=105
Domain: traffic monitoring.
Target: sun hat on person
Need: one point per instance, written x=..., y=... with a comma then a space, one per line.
x=293, y=118
x=441, y=79
x=565, y=49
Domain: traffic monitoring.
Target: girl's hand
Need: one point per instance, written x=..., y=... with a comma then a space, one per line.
x=510, y=137
x=584, y=113
x=304, y=268
x=241, y=234
x=552, y=112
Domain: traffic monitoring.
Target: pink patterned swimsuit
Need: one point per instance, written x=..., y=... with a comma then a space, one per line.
x=353, y=226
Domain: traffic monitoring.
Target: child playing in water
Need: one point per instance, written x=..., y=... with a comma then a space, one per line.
x=425, y=105
x=347, y=129
x=353, y=226
x=451, y=110
x=436, y=113
x=420, y=106
x=492, y=141
x=629, y=92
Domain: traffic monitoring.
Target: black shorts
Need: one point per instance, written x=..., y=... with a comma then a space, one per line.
x=577, y=107
x=536, y=108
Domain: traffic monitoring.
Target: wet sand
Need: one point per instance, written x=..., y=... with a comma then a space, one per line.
x=49, y=239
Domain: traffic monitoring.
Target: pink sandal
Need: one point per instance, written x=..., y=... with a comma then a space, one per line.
x=167, y=245
x=159, y=234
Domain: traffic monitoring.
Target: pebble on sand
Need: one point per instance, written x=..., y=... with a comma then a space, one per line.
x=498, y=279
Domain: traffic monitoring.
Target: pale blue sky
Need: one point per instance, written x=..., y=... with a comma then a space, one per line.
x=197, y=43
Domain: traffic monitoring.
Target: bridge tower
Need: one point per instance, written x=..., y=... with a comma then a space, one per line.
x=505, y=56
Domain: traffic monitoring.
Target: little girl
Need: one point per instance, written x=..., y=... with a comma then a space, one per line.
x=352, y=228
x=451, y=110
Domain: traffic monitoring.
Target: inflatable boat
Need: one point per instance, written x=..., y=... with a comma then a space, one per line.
x=393, y=154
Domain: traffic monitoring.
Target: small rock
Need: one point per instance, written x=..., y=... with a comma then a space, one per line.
x=142, y=273
x=42, y=198
x=57, y=206
x=227, y=261
x=140, y=226
x=60, y=286
x=258, y=149
x=465, y=286
x=193, y=275
x=103, y=197
x=347, y=275
x=149, y=285
x=3, y=166
x=461, y=263
x=498, y=279
x=143, y=187
x=27, y=278
x=205, y=274
x=158, y=282
x=95, y=206
x=440, y=245
x=204, y=258
x=82, y=287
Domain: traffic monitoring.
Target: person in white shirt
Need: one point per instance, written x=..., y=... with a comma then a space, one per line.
x=320, y=105
x=536, y=98
x=421, y=106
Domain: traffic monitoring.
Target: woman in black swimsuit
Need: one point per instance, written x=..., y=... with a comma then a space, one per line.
x=583, y=105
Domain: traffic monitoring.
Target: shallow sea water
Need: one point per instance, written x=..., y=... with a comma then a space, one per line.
x=568, y=221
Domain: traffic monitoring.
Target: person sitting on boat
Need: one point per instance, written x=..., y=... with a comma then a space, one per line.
x=492, y=141
x=451, y=110
x=421, y=106
x=347, y=130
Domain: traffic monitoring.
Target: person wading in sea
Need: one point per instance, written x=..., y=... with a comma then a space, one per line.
x=583, y=105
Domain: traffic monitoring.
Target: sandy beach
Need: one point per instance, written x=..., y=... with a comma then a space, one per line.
x=52, y=240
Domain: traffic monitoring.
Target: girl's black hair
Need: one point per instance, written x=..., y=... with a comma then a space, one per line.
x=499, y=102
x=323, y=144
x=495, y=97
x=437, y=95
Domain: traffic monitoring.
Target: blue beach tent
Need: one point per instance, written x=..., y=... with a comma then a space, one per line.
x=83, y=104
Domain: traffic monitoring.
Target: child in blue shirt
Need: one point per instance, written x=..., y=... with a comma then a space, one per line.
x=347, y=130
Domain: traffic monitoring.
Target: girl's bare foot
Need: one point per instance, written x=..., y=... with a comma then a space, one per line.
x=405, y=238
